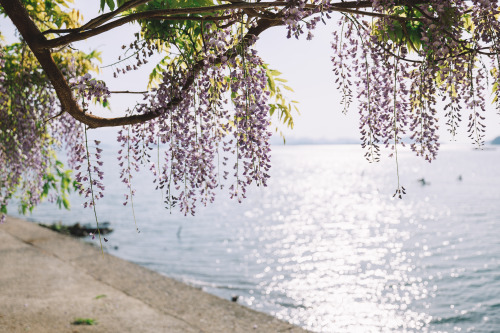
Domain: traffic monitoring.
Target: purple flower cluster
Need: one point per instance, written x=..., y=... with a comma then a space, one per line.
x=141, y=50
x=89, y=89
x=400, y=78
x=26, y=144
x=85, y=158
x=5, y=192
x=251, y=117
x=223, y=112
x=89, y=175
x=402, y=69
x=295, y=15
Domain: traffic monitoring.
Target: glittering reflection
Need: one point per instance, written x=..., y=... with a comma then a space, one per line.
x=333, y=252
x=326, y=247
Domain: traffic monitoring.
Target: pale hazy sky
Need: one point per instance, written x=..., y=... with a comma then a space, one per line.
x=305, y=64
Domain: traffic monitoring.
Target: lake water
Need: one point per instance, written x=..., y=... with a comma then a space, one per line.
x=325, y=245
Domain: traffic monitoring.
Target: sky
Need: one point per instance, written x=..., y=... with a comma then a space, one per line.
x=305, y=64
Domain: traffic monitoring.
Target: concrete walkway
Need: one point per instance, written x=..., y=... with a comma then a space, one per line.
x=47, y=280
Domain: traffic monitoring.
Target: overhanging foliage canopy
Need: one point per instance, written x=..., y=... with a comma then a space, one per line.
x=215, y=95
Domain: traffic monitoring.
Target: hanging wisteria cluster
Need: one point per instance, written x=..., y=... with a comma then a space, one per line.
x=404, y=64
x=404, y=70
x=408, y=62
x=5, y=192
x=25, y=159
x=204, y=129
x=89, y=89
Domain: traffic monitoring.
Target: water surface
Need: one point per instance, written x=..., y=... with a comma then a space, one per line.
x=326, y=246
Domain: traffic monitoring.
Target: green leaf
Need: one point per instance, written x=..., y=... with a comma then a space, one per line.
x=84, y=321
x=111, y=4
x=272, y=109
x=66, y=203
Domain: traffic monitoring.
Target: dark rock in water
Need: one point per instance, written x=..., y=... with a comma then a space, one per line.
x=79, y=230
x=235, y=298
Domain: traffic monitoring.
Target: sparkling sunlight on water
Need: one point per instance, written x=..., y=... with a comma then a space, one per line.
x=325, y=246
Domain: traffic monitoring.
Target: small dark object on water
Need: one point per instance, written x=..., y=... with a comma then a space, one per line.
x=79, y=230
x=234, y=298
x=459, y=178
x=423, y=182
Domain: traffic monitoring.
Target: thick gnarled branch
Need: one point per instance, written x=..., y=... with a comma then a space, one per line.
x=16, y=11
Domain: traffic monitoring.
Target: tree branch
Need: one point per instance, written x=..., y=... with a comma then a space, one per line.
x=34, y=38
x=129, y=92
x=99, y=20
x=172, y=18
x=96, y=27
x=40, y=46
x=162, y=13
x=108, y=16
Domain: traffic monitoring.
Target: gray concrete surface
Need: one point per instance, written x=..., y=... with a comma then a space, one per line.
x=47, y=280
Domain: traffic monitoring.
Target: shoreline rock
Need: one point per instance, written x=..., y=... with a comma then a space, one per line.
x=77, y=229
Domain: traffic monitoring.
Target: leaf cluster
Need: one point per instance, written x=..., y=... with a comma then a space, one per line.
x=407, y=29
x=51, y=14
x=280, y=106
x=60, y=181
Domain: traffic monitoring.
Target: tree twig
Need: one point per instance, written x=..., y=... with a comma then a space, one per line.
x=129, y=92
